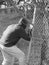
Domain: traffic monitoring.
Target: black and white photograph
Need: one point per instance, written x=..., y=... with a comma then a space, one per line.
x=24, y=32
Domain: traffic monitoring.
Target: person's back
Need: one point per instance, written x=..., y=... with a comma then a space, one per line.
x=8, y=30
x=13, y=33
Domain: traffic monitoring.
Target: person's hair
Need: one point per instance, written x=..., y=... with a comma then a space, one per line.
x=23, y=22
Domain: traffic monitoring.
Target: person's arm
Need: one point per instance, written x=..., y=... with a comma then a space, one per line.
x=25, y=35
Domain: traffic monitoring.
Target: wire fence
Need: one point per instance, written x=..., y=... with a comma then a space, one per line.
x=36, y=50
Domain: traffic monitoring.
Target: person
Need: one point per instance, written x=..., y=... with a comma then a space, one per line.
x=10, y=38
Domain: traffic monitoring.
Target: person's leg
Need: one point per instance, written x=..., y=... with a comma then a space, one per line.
x=7, y=59
x=21, y=57
x=17, y=53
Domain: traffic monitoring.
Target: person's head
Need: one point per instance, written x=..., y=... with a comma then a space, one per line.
x=24, y=23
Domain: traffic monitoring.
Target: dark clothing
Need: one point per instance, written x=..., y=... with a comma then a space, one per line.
x=14, y=36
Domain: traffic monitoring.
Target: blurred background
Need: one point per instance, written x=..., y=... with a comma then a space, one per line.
x=12, y=10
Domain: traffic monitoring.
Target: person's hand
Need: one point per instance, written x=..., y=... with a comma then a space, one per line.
x=31, y=26
x=30, y=31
